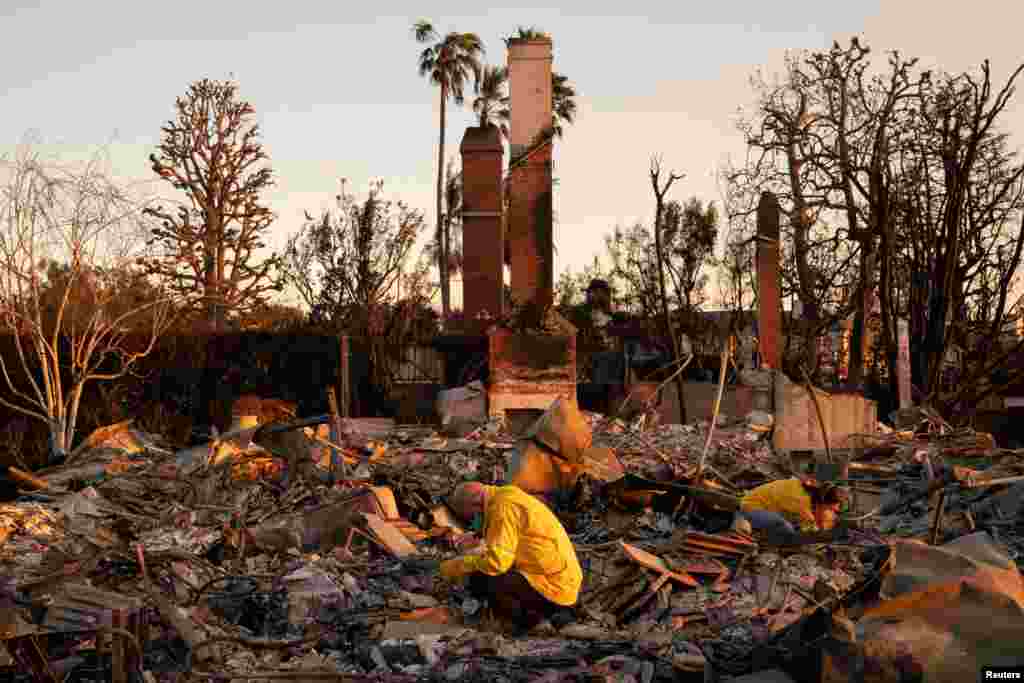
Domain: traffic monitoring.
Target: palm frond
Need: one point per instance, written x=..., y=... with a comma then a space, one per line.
x=457, y=87
x=563, y=103
x=427, y=61
x=452, y=61
x=424, y=31
x=492, y=104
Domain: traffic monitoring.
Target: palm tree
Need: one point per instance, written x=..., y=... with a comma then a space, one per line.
x=448, y=62
x=492, y=105
x=453, y=218
x=452, y=222
x=563, y=104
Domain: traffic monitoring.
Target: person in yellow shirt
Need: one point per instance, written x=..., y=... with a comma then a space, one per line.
x=527, y=569
x=781, y=507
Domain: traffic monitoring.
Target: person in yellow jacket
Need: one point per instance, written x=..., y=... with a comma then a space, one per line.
x=527, y=569
x=785, y=505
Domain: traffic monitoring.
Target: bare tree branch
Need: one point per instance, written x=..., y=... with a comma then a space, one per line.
x=66, y=288
x=205, y=249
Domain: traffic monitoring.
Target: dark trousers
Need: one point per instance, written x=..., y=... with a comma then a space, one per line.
x=512, y=598
x=764, y=520
x=771, y=524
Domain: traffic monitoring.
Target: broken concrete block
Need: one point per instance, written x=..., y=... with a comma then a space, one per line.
x=848, y=418
x=468, y=403
x=407, y=629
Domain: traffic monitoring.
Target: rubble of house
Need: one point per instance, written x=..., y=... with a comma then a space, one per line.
x=239, y=561
x=294, y=548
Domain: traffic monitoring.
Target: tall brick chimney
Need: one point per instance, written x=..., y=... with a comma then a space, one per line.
x=527, y=371
x=482, y=239
x=529, y=75
x=530, y=215
x=769, y=302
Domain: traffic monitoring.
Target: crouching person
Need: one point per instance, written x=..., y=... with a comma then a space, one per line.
x=527, y=570
x=781, y=508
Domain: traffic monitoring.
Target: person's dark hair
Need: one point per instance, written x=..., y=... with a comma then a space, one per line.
x=597, y=285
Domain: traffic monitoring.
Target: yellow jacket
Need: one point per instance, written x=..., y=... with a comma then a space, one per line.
x=788, y=497
x=524, y=535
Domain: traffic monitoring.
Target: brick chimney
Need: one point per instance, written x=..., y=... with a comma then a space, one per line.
x=530, y=215
x=482, y=240
x=769, y=302
x=528, y=371
x=529, y=75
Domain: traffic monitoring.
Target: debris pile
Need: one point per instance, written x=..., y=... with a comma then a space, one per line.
x=294, y=549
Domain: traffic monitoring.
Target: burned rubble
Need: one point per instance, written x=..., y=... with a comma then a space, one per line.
x=133, y=561
x=307, y=548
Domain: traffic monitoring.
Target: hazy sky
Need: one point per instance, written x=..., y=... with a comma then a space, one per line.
x=337, y=93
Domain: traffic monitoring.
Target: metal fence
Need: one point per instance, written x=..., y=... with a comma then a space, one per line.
x=420, y=364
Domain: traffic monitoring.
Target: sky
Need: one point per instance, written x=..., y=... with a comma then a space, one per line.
x=337, y=93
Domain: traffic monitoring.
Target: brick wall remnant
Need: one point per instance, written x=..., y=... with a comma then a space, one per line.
x=482, y=239
x=769, y=313
x=530, y=216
